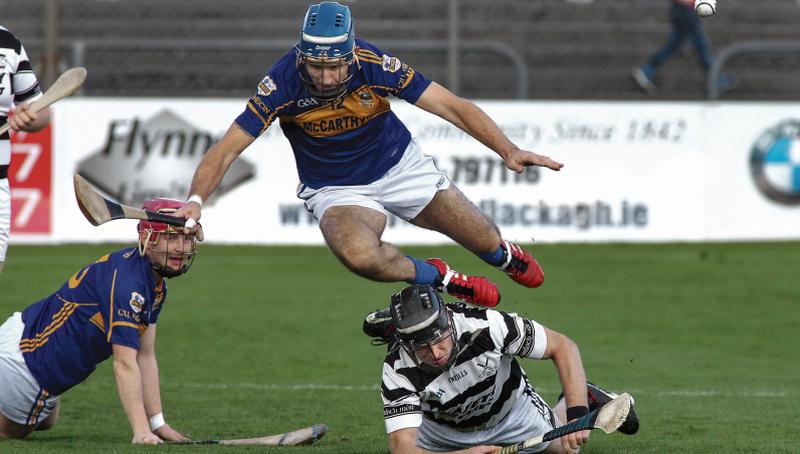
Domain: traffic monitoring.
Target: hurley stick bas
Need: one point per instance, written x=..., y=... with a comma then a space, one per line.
x=66, y=84
x=608, y=418
x=99, y=210
x=304, y=436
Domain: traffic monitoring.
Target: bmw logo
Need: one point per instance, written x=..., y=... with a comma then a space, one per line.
x=775, y=162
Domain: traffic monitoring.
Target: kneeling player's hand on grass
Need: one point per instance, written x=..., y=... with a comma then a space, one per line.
x=146, y=438
x=572, y=442
x=167, y=433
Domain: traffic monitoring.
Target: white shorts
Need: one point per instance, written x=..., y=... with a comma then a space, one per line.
x=22, y=400
x=530, y=417
x=5, y=217
x=405, y=190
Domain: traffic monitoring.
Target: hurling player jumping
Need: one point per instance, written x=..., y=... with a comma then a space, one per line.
x=109, y=307
x=357, y=161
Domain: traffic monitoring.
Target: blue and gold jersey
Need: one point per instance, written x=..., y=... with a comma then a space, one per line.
x=352, y=141
x=111, y=301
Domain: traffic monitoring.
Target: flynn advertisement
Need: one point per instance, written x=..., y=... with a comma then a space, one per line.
x=634, y=172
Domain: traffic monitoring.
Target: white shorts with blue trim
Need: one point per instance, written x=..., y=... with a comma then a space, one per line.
x=406, y=189
x=22, y=400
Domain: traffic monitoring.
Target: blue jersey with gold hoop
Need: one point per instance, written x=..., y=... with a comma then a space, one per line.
x=111, y=301
x=354, y=140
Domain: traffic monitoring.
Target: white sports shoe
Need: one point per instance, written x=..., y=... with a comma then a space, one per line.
x=643, y=81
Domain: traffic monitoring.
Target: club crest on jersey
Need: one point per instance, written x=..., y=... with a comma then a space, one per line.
x=391, y=64
x=488, y=370
x=266, y=86
x=3, y=61
x=158, y=301
x=366, y=98
x=137, y=302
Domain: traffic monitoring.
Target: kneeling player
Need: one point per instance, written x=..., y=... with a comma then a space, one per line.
x=454, y=382
x=109, y=307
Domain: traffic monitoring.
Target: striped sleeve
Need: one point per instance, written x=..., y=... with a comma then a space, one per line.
x=26, y=86
x=401, y=403
x=387, y=71
x=273, y=98
x=126, y=300
x=521, y=336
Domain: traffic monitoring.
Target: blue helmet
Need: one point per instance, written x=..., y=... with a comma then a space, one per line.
x=327, y=36
x=327, y=32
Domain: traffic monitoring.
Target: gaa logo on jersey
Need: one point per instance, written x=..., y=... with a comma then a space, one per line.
x=137, y=302
x=775, y=162
x=266, y=86
x=391, y=64
x=306, y=102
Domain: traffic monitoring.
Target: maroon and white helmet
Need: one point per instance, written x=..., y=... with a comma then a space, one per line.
x=163, y=206
x=150, y=232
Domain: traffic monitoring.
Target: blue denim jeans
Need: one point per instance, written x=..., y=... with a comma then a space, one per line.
x=685, y=25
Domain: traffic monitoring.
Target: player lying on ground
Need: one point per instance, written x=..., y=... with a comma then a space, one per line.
x=451, y=380
x=357, y=161
x=109, y=307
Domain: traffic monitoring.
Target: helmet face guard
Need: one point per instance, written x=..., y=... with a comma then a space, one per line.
x=421, y=321
x=175, y=247
x=327, y=43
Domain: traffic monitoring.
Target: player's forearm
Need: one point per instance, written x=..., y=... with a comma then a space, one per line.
x=218, y=159
x=567, y=359
x=475, y=122
x=209, y=173
x=151, y=388
x=129, y=387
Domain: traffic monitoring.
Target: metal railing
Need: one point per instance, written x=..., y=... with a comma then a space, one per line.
x=744, y=47
x=80, y=48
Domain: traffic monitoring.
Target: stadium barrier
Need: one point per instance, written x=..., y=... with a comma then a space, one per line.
x=635, y=172
x=744, y=47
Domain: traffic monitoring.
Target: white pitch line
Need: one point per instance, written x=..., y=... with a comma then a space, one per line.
x=375, y=387
x=713, y=393
x=275, y=386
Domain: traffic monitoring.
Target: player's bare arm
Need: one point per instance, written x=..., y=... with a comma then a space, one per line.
x=567, y=359
x=404, y=441
x=148, y=365
x=474, y=121
x=129, y=387
x=212, y=168
x=24, y=119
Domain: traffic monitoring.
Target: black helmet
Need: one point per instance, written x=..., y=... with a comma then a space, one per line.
x=421, y=318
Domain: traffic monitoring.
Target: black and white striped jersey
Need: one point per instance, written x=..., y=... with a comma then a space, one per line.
x=17, y=83
x=481, y=386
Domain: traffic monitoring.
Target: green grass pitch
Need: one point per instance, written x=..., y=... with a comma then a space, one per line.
x=261, y=340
